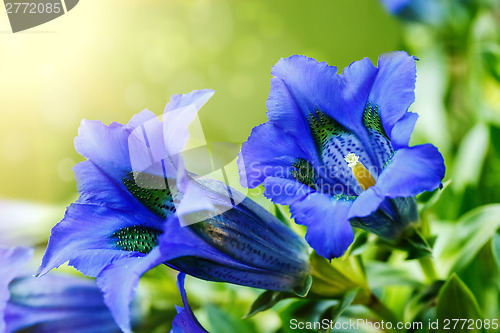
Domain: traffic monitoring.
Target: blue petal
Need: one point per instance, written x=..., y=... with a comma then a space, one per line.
x=394, y=86
x=84, y=237
x=106, y=146
x=355, y=84
x=283, y=108
x=118, y=282
x=147, y=147
x=326, y=218
x=179, y=113
x=334, y=143
x=310, y=85
x=302, y=87
x=195, y=205
x=392, y=218
x=245, y=265
x=411, y=171
x=95, y=187
x=366, y=203
x=197, y=98
x=285, y=191
x=428, y=11
x=11, y=262
x=185, y=321
x=118, y=149
x=401, y=132
x=394, y=6
x=244, y=230
x=269, y=152
x=113, y=152
x=57, y=303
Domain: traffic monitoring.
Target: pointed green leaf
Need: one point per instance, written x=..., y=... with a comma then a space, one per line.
x=361, y=242
x=280, y=214
x=491, y=58
x=333, y=313
x=414, y=244
x=470, y=234
x=456, y=301
x=333, y=279
x=423, y=301
x=223, y=321
x=303, y=290
x=470, y=157
x=265, y=301
x=495, y=247
x=428, y=199
x=383, y=275
x=418, y=247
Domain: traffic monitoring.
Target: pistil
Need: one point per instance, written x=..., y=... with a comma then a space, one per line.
x=364, y=177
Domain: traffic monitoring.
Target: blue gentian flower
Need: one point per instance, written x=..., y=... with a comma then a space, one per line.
x=431, y=12
x=54, y=303
x=137, y=209
x=185, y=321
x=336, y=150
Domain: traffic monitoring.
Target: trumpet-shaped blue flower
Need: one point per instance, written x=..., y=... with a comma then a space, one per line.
x=185, y=321
x=336, y=150
x=54, y=303
x=431, y=12
x=137, y=209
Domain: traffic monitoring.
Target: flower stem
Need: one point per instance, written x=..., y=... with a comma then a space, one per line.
x=428, y=269
x=381, y=310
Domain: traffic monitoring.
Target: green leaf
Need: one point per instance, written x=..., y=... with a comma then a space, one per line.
x=456, y=301
x=428, y=199
x=333, y=313
x=423, y=301
x=495, y=137
x=223, y=321
x=280, y=214
x=265, y=301
x=360, y=244
x=269, y=298
x=303, y=290
x=495, y=248
x=470, y=157
x=414, y=244
x=491, y=59
x=469, y=235
x=301, y=310
x=383, y=275
x=333, y=279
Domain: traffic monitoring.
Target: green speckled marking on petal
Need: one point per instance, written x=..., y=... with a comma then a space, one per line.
x=153, y=192
x=333, y=142
x=323, y=128
x=138, y=239
x=343, y=197
x=304, y=173
x=380, y=142
x=371, y=119
x=389, y=160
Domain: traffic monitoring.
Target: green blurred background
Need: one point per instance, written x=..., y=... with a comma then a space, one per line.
x=107, y=60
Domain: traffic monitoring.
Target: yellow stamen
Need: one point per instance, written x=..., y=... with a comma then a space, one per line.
x=364, y=177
